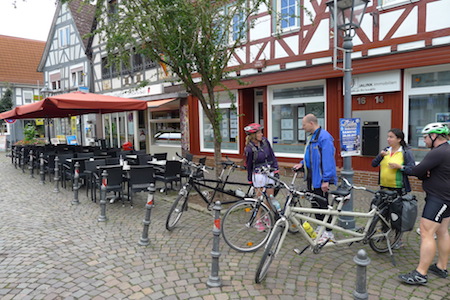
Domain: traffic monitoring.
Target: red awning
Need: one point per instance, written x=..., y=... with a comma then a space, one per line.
x=74, y=104
x=158, y=103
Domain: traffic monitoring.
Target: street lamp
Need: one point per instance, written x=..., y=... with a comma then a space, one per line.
x=347, y=16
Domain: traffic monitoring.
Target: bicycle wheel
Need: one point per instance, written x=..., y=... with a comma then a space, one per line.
x=269, y=253
x=238, y=225
x=379, y=244
x=177, y=209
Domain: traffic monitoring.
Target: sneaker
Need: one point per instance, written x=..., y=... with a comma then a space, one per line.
x=438, y=272
x=414, y=278
x=259, y=225
x=326, y=235
x=266, y=220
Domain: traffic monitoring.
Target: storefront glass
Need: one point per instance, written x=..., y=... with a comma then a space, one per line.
x=228, y=126
x=165, y=127
x=429, y=101
x=288, y=106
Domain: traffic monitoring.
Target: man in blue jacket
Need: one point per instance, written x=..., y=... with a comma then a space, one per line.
x=319, y=165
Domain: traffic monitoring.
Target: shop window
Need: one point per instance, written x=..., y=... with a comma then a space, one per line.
x=228, y=126
x=424, y=109
x=165, y=127
x=288, y=107
x=428, y=92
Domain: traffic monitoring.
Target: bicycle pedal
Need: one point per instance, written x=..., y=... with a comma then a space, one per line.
x=297, y=251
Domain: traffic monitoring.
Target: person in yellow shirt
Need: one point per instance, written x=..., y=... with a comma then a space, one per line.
x=397, y=152
x=394, y=179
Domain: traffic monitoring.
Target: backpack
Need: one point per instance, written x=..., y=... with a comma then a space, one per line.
x=403, y=212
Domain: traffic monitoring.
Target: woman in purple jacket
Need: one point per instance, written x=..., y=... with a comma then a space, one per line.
x=259, y=154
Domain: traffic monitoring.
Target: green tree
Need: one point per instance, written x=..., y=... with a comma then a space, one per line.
x=6, y=103
x=195, y=40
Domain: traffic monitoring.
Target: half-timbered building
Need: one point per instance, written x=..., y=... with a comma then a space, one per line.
x=66, y=64
x=401, y=78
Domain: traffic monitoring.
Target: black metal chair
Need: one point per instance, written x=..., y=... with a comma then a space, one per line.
x=68, y=171
x=112, y=160
x=160, y=156
x=139, y=179
x=172, y=173
x=114, y=181
x=143, y=159
x=90, y=167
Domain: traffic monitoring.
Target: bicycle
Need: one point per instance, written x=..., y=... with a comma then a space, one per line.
x=203, y=187
x=238, y=223
x=377, y=230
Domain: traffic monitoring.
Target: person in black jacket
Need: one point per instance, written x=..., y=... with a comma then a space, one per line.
x=434, y=171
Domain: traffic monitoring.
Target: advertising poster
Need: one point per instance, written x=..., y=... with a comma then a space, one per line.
x=350, y=136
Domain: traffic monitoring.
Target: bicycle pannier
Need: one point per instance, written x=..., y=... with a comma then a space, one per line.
x=403, y=212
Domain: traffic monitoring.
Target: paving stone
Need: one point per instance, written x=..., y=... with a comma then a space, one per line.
x=50, y=249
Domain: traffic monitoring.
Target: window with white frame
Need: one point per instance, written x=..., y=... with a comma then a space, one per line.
x=5, y=128
x=77, y=77
x=64, y=37
x=288, y=12
x=228, y=125
x=428, y=97
x=27, y=97
x=238, y=28
x=288, y=105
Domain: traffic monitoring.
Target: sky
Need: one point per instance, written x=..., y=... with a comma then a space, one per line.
x=31, y=19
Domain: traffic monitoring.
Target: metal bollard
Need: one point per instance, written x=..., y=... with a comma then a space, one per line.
x=362, y=261
x=214, y=279
x=30, y=164
x=76, y=186
x=102, y=216
x=41, y=168
x=56, y=190
x=144, y=241
x=22, y=160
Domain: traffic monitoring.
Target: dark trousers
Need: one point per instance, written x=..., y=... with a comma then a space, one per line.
x=317, y=203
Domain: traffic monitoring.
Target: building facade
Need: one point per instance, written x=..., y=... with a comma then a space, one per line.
x=66, y=65
x=19, y=60
x=401, y=78
x=157, y=129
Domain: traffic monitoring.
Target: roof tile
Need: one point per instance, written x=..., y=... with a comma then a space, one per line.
x=19, y=60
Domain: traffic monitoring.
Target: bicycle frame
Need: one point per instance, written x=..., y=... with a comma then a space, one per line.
x=297, y=216
x=220, y=185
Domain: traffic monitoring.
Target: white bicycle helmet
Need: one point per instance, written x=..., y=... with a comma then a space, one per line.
x=438, y=128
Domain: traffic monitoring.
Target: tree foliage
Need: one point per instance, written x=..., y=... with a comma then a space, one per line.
x=6, y=102
x=195, y=40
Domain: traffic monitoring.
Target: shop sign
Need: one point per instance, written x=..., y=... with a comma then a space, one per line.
x=154, y=89
x=380, y=82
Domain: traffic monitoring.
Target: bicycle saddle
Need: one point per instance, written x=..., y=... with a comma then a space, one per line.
x=340, y=192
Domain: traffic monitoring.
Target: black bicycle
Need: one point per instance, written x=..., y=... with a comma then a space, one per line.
x=207, y=189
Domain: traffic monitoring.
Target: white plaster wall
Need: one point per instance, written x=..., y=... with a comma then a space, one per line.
x=408, y=26
x=261, y=28
x=438, y=15
x=319, y=41
x=386, y=20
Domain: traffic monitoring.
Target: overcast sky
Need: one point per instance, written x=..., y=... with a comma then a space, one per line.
x=31, y=19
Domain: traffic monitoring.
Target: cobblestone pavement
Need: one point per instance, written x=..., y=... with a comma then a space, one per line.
x=51, y=249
